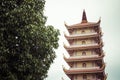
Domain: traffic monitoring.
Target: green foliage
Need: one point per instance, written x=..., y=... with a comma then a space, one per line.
x=26, y=44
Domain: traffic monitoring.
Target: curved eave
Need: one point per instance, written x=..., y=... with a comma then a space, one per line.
x=83, y=47
x=82, y=71
x=105, y=76
x=82, y=25
x=81, y=36
x=76, y=59
x=102, y=73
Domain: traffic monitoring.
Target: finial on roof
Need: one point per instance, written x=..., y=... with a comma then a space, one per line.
x=84, y=18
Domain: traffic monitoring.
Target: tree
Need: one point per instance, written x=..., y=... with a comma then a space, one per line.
x=26, y=43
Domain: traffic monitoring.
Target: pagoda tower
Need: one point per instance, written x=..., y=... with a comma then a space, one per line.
x=85, y=50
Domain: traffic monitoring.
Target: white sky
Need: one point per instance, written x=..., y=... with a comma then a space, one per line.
x=70, y=11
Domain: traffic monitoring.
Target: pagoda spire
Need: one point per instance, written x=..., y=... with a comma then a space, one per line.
x=84, y=18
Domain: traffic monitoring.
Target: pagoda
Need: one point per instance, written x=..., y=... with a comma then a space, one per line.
x=85, y=50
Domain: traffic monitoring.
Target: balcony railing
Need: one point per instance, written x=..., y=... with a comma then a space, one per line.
x=85, y=34
x=87, y=56
x=89, y=79
x=86, y=68
x=78, y=36
x=83, y=45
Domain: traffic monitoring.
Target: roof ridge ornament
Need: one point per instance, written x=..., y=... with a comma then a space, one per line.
x=84, y=18
x=65, y=24
x=99, y=20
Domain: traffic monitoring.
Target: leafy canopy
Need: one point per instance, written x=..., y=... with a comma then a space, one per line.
x=26, y=43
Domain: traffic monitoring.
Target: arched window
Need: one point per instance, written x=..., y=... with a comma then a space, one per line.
x=71, y=65
x=93, y=64
x=92, y=52
x=83, y=42
x=84, y=64
x=84, y=77
x=75, y=77
x=75, y=53
x=75, y=31
x=93, y=76
x=75, y=65
x=83, y=53
x=83, y=31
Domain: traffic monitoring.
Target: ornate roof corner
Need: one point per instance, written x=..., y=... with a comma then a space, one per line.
x=65, y=34
x=63, y=67
x=106, y=76
x=66, y=24
x=103, y=67
x=65, y=46
x=99, y=20
x=64, y=56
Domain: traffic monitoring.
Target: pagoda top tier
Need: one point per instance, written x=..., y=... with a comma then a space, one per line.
x=83, y=23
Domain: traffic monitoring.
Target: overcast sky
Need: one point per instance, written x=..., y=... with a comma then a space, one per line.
x=70, y=11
